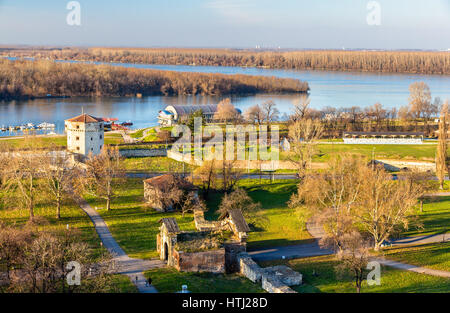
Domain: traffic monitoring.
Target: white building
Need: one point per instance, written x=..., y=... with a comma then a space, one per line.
x=173, y=114
x=383, y=138
x=85, y=135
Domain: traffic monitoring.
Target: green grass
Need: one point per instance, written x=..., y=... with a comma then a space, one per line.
x=434, y=256
x=435, y=217
x=327, y=281
x=155, y=164
x=113, y=139
x=132, y=224
x=169, y=280
x=71, y=215
x=36, y=141
x=398, y=152
x=285, y=226
x=123, y=284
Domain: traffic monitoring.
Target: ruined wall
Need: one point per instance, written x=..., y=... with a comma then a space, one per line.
x=232, y=250
x=206, y=261
x=142, y=153
x=275, y=279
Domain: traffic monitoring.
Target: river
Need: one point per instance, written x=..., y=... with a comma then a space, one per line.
x=333, y=89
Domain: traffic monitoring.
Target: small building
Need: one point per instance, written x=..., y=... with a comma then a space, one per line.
x=383, y=138
x=173, y=114
x=214, y=247
x=156, y=187
x=85, y=134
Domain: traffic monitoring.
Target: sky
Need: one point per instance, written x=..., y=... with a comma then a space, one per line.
x=285, y=24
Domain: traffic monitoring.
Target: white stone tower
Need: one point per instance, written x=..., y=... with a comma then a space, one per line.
x=85, y=135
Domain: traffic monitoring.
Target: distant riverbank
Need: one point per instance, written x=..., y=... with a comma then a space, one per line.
x=28, y=79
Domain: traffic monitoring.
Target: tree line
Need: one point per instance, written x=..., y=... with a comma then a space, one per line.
x=28, y=79
x=333, y=60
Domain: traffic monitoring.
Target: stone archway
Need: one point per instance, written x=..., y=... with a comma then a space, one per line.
x=166, y=252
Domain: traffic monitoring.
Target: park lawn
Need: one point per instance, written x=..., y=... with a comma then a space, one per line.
x=132, y=224
x=423, y=152
x=435, y=256
x=113, y=139
x=36, y=141
x=138, y=133
x=71, y=215
x=435, y=217
x=285, y=226
x=328, y=281
x=169, y=280
x=122, y=284
x=155, y=164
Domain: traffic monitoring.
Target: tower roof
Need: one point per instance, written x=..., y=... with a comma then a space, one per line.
x=84, y=118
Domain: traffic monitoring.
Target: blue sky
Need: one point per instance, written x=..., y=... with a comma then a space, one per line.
x=405, y=24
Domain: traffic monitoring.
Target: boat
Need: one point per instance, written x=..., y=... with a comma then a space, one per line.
x=127, y=123
x=46, y=125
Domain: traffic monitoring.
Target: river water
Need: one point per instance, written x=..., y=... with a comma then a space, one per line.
x=334, y=89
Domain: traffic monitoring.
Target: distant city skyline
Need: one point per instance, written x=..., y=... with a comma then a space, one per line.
x=287, y=24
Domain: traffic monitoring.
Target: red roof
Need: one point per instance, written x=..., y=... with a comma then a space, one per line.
x=84, y=118
x=167, y=180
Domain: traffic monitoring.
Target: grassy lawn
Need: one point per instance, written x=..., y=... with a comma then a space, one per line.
x=113, y=138
x=284, y=227
x=155, y=164
x=435, y=256
x=36, y=141
x=71, y=215
x=435, y=217
x=133, y=225
x=169, y=280
x=123, y=284
x=397, y=152
x=328, y=281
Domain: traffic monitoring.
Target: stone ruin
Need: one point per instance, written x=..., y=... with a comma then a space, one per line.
x=214, y=247
x=220, y=247
x=275, y=279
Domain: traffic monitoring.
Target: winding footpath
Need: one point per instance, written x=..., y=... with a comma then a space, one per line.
x=133, y=268
x=314, y=249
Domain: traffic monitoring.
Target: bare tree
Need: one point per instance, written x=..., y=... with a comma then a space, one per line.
x=419, y=99
x=254, y=114
x=230, y=175
x=226, y=111
x=354, y=257
x=24, y=174
x=304, y=135
x=206, y=173
x=271, y=113
x=301, y=108
x=239, y=199
x=101, y=174
x=57, y=177
x=441, y=153
x=12, y=243
x=383, y=205
x=332, y=195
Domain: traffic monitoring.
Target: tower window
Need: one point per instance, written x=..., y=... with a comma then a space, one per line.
x=78, y=138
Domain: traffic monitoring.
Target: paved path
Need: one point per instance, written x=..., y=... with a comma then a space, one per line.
x=290, y=252
x=420, y=240
x=313, y=249
x=133, y=268
x=412, y=268
x=127, y=138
